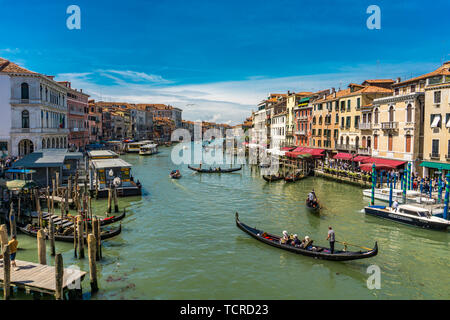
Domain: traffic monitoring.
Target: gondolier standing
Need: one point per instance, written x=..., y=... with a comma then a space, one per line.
x=331, y=238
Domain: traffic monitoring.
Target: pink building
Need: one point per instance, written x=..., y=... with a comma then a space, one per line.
x=77, y=113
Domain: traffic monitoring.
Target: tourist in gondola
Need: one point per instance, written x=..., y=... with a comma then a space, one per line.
x=331, y=238
x=285, y=238
x=296, y=241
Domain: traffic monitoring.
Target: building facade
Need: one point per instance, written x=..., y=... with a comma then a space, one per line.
x=34, y=111
x=77, y=115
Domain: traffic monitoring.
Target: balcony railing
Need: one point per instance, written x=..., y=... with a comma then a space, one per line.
x=365, y=126
x=303, y=118
x=365, y=151
x=300, y=132
x=347, y=147
x=389, y=125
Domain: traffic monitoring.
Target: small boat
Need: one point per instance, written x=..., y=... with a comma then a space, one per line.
x=409, y=214
x=216, y=170
x=397, y=194
x=69, y=238
x=320, y=252
x=293, y=178
x=175, y=174
x=148, y=149
x=273, y=178
x=109, y=220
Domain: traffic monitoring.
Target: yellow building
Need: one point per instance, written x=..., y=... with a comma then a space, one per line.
x=436, y=140
x=397, y=128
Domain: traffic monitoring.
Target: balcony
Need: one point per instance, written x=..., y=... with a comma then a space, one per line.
x=289, y=133
x=303, y=118
x=365, y=126
x=365, y=151
x=435, y=156
x=346, y=147
x=300, y=132
x=389, y=125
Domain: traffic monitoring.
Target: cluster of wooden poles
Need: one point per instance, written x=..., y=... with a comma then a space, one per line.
x=80, y=232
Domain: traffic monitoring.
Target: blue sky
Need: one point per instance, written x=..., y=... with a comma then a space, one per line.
x=217, y=59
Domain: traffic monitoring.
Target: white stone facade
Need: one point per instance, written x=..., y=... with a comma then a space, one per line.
x=34, y=113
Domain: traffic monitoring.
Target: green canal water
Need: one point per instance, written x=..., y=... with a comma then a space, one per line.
x=180, y=241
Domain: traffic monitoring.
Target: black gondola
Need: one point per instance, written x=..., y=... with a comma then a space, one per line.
x=319, y=253
x=273, y=178
x=293, y=178
x=313, y=205
x=69, y=238
x=112, y=219
x=175, y=174
x=218, y=170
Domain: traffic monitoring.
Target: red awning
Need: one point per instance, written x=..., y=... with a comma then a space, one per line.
x=313, y=152
x=343, y=156
x=388, y=162
x=287, y=148
x=361, y=158
x=294, y=153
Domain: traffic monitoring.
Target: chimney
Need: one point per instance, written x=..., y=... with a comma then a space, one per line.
x=81, y=90
x=399, y=80
x=289, y=93
x=333, y=90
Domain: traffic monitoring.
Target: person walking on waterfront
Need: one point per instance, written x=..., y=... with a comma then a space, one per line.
x=331, y=238
x=395, y=205
x=13, y=243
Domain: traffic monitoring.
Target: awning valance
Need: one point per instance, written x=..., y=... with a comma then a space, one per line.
x=361, y=158
x=435, y=165
x=343, y=156
x=382, y=161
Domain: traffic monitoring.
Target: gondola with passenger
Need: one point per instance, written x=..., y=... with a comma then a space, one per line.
x=175, y=174
x=215, y=170
x=273, y=177
x=310, y=250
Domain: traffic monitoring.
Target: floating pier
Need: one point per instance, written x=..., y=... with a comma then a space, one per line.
x=40, y=278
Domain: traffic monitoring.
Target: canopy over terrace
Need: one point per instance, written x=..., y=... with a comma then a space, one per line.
x=343, y=156
x=315, y=153
x=381, y=164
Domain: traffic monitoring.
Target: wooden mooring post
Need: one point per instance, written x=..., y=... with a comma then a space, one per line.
x=12, y=221
x=95, y=230
x=4, y=235
x=51, y=236
x=116, y=205
x=80, y=237
x=42, y=252
x=59, y=275
x=6, y=272
x=109, y=201
x=92, y=246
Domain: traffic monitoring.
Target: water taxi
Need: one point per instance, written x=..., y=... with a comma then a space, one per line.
x=409, y=214
x=148, y=149
x=135, y=147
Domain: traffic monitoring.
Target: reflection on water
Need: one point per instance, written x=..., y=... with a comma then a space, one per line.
x=179, y=241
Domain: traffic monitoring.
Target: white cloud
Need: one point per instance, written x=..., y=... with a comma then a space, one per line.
x=228, y=101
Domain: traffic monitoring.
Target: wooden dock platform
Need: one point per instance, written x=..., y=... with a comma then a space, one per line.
x=40, y=278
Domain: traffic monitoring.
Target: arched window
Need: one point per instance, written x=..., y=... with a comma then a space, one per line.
x=25, y=119
x=320, y=120
x=376, y=116
x=48, y=143
x=342, y=140
x=408, y=143
x=409, y=113
x=53, y=143
x=314, y=120
x=391, y=114
x=43, y=143
x=375, y=142
x=364, y=142
x=357, y=142
x=25, y=91
x=61, y=143
x=65, y=142
x=57, y=143
x=347, y=140
x=369, y=142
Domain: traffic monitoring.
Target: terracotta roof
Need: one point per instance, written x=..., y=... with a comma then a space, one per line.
x=379, y=81
x=442, y=70
x=10, y=67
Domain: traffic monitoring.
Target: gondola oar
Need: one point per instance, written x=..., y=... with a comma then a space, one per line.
x=353, y=245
